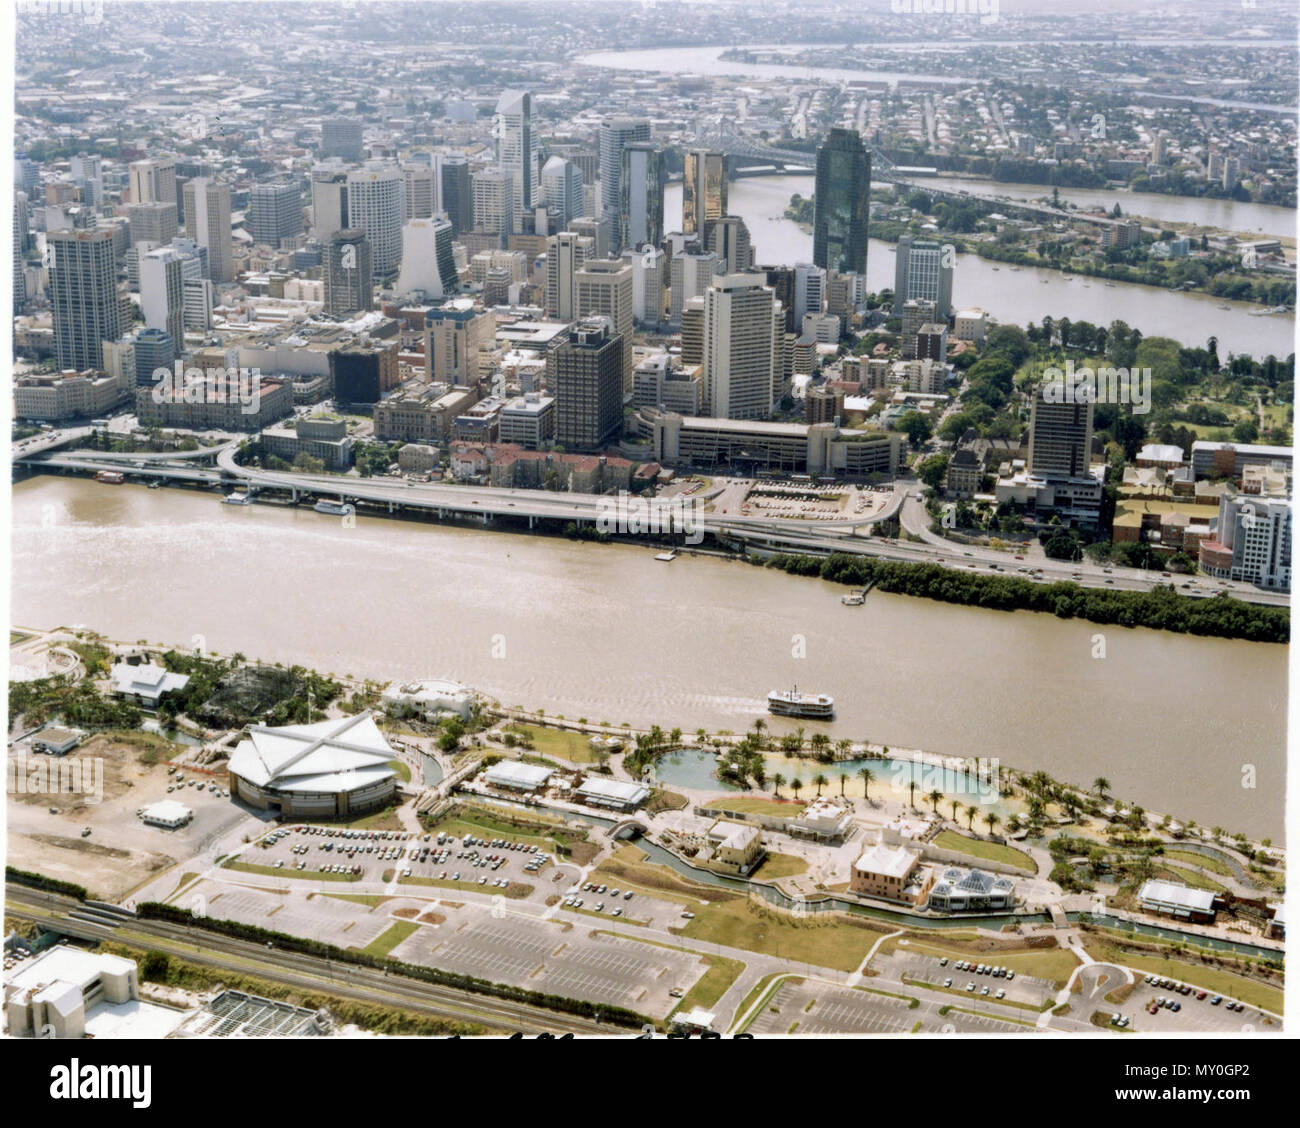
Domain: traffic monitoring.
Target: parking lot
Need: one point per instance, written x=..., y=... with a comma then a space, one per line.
x=821, y=1008
x=555, y=957
x=420, y=861
x=1193, y=1014
x=928, y=969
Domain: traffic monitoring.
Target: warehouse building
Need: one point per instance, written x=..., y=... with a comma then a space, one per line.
x=1167, y=898
x=613, y=793
x=512, y=775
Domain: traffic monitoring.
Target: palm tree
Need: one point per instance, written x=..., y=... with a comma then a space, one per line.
x=795, y=785
x=819, y=781
x=956, y=806
x=911, y=792
x=868, y=777
x=992, y=819
x=844, y=778
x=971, y=812
x=843, y=746
x=760, y=725
x=934, y=798
x=778, y=782
x=700, y=736
x=1101, y=785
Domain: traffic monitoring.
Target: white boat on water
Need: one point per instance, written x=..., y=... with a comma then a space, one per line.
x=667, y=557
x=792, y=703
x=333, y=506
x=236, y=499
x=854, y=600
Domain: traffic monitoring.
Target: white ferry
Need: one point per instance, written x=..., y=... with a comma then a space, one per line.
x=854, y=600
x=792, y=703
x=334, y=506
x=236, y=499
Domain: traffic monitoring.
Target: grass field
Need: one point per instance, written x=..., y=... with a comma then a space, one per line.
x=834, y=942
x=757, y=805
x=379, y=820
x=1187, y=877
x=988, y=851
x=1218, y=980
x=713, y=984
x=402, y=768
x=1202, y=860
x=779, y=865
x=571, y=746
x=371, y=899
x=393, y=935
x=628, y=866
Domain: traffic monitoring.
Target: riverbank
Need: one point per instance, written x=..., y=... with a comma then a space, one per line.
x=1160, y=609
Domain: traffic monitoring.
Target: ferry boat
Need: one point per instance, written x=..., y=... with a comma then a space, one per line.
x=334, y=506
x=854, y=600
x=792, y=703
x=111, y=477
x=236, y=499
x=667, y=557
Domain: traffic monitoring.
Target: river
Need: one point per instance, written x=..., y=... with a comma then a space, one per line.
x=609, y=633
x=1016, y=296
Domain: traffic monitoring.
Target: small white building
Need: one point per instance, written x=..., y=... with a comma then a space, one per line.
x=514, y=775
x=62, y=991
x=166, y=813
x=428, y=699
x=57, y=740
x=617, y=794
x=147, y=684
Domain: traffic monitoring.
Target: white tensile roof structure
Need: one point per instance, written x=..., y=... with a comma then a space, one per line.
x=147, y=680
x=335, y=755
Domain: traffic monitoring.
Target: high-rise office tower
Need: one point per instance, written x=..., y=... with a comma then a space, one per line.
x=494, y=203
x=83, y=296
x=642, y=176
x=162, y=293
x=27, y=175
x=740, y=352
x=454, y=336
x=377, y=206
x=566, y=254
x=199, y=299
x=1060, y=433
x=588, y=386
x=781, y=280
x=561, y=192
x=649, y=275
x=87, y=171
x=341, y=137
x=693, y=331
x=599, y=231
x=916, y=312
x=274, y=213
x=922, y=271
x=20, y=245
x=152, y=223
x=728, y=238
x=604, y=287
x=809, y=290
x=348, y=271
x=154, y=351
x=428, y=261
x=704, y=189
x=153, y=181
x=207, y=220
x=329, y=200
x=615, y=134
x=457, y=194
x=842, y=202
x=421, y=191
x=690, y=274
x=517, y=150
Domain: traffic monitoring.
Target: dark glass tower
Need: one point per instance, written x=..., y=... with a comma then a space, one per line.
x=842, y=203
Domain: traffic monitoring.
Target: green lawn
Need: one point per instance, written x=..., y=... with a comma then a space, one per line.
x=713, y=984
x=393, y=935
x=1188, y=877
x=1214, y=865
x=566, y=745
x=402, y=768
x=757, y=805
x=776, y=866
x=988, y=851
x=832, y=941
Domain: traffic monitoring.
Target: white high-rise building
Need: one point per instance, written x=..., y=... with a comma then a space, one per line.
x=162, y=293
x=649, y=267
x=615, y=134
x=207, y=220
x=1257, y=532
x=604, y=287
x=740, y=354
x=691, y=275
x=566, y=254
x=421, y=191
x=87, y=170
x=517, y=151
x=494, y=202
x=153, y=181
x=809, y=290
x=377, y=206
x=428, y=262
x=329, y=199
x=562, y=191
